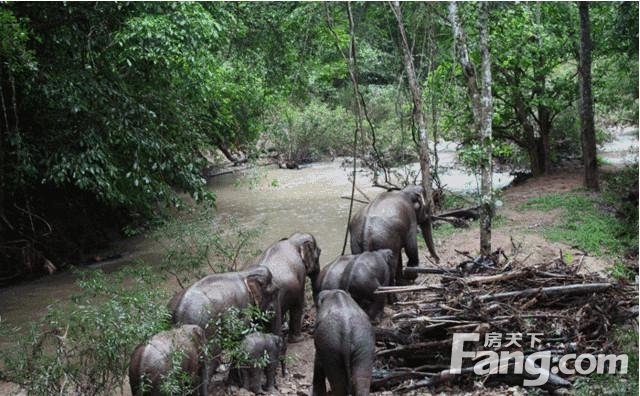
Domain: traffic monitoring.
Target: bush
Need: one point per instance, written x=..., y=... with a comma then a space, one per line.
x=204, y=243
x=84, y=347
x=310, y=132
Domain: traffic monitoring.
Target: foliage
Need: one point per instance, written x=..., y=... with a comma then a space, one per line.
x=621, y=189
x=84, y=347
x=204, y=243
x=586, y=224
x=231, y=328
x=309, y=132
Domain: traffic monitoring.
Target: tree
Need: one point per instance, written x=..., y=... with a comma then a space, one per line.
x=587, y=128
x=418, y=115
x=531, y=86
x=481, y=100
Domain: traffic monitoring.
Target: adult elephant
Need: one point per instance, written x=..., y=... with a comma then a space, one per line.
x=212, y=295
x=345, y=346
x=181, y=349
x=290, y=260
x=360, y=275
x=390, y=221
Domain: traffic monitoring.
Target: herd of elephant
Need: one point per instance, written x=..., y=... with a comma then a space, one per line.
x=343, y=293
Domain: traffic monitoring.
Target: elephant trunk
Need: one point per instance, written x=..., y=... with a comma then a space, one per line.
x=427, y=234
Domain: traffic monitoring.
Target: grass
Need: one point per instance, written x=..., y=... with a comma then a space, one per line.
x=614, y=384
x=620, y=271
x=585, y=224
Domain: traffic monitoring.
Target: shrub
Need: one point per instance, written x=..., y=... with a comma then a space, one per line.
x=84, y=347
x=205, y=243
x=309, y=132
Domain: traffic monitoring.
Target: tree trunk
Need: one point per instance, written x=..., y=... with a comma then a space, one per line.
x=418, y=114
x=481, y=101
x=486, y=200
x=539, y=90
x=587, y=128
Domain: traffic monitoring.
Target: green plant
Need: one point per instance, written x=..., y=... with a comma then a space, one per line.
x=231, y=328
x=203, y=242
x=310, y=132
x=177, y=381
x=620, y=271
x=85, y=346
x=585, y=224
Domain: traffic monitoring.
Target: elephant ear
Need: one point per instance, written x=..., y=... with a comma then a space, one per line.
x=307, y=254
x=256, y=284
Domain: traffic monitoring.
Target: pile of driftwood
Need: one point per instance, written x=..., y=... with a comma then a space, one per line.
x=570, y=311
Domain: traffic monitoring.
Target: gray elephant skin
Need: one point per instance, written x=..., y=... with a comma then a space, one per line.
x=345, y=346
x=152, y=361
x=390, y=221
x=359, y=275
x=213, y=295
x=255, y=345
x=290, y=260
x=363, y=276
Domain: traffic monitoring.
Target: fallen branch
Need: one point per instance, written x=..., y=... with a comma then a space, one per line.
x=568, y=290
x=404, y=289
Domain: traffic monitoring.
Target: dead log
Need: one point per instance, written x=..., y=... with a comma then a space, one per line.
x=411, y=349
x=475, y=280
x=422, y=270
x=567, y=290
x=405, y=289
x=466, y=213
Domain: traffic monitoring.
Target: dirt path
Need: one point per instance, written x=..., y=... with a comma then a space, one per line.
x=524, y=227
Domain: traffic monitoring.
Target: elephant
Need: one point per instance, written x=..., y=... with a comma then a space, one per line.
x=290, y=260
x=152, y=361
x=360, y=275
x=329, y=277
x=345, y=346
x=256, y=346
x=211, y=296
x=363, y=275
x=390, y=221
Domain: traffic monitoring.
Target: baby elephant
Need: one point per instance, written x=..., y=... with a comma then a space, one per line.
x=151, y=362
x=362, y=276
x=257, y=346
x=345, y=346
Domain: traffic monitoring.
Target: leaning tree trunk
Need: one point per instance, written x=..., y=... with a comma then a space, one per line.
x=587, y=128
x=418, y=114
x=482, y=112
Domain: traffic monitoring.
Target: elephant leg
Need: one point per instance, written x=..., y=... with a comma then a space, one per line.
x=394, y=264
x=376, y=309
x=270, y=373
x=319, y=387
x=411, y=249
x=361, y=380
x=295, y=320
x=253, y=379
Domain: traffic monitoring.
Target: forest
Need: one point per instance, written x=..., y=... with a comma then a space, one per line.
x=131, y=121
